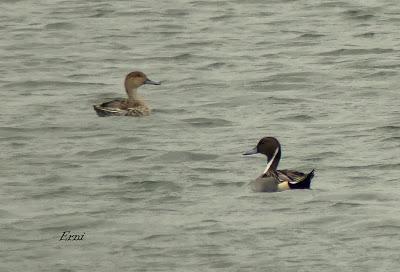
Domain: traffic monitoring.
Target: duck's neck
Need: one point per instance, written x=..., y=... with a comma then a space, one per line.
x=133, y=96
x=273, y=161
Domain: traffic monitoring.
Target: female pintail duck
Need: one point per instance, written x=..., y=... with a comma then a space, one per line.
x=272, y=179
x=134, y=105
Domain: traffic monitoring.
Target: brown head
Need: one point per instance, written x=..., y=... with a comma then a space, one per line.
x=136, y=79
x=270, y=147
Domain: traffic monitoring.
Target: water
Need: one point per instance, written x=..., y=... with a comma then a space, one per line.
x=169, y=192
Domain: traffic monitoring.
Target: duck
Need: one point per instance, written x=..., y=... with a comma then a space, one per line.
x=272, y=179
x=134, y=105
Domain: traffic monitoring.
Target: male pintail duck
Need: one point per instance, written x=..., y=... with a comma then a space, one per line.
x=273, y=180
x=134, y=105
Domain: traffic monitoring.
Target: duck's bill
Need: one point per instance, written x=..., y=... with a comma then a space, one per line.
x=251, y=152
x=148, y=81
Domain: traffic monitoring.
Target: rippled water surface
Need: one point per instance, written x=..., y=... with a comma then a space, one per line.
x=169, y=192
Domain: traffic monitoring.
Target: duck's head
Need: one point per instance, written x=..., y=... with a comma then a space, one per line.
x=270, y=147
x=136, y=79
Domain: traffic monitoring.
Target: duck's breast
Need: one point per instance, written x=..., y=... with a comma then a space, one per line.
x=264, y=184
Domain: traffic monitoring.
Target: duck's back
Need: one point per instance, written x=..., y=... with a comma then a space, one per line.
x=290, y=175
x=116, y=103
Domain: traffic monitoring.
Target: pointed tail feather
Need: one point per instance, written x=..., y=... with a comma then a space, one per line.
x=304, y=183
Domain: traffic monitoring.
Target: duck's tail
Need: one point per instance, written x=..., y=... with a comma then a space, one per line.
x=304, y=183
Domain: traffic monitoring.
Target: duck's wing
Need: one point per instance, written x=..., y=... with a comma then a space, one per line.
x=105, y=112
x=116, y=104
x=290, y=175
x=296, y=179
x=116, y=107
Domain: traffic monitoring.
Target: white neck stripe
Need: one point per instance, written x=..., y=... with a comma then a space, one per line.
x=271, y=161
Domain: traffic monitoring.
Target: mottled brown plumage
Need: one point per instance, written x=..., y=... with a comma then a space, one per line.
x=134, y=105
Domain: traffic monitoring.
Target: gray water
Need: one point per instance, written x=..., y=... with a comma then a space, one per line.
x=169, y=192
